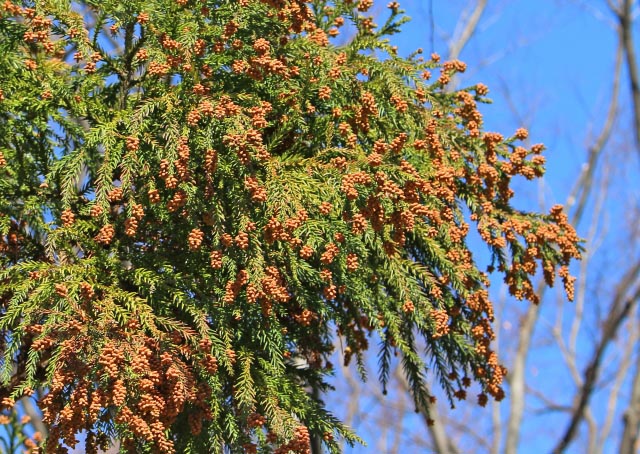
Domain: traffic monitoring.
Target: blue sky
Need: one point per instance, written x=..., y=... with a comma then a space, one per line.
x=549, y=65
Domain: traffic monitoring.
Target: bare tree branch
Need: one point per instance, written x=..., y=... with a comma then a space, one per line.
x=594, y=244
x=442, y=442
x=583, y=186
x=593, y=431
x=31, y=410
x=626, y=21
x=517, y=380
x=468, y=29
x=631, y=417
x=619, y=310
x=621, y=374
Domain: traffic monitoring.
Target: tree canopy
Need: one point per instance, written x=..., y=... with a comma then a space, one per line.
x=198, y=198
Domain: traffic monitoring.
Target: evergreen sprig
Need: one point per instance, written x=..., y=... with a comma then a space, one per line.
x=197, y=195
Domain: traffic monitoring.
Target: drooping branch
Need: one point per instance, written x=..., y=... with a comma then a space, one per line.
x=434, y=422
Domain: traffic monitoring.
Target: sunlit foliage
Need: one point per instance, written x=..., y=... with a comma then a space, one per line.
x=197, y=198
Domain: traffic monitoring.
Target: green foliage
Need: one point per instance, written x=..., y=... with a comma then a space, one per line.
x=195, y=196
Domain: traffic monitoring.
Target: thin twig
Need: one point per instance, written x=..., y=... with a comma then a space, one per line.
x=582, y=189
x=621, y=374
